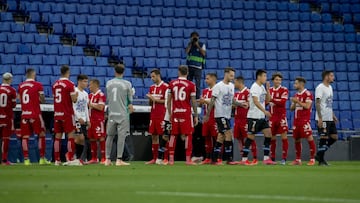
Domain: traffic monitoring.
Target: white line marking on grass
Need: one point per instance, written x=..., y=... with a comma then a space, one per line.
x=256, y=197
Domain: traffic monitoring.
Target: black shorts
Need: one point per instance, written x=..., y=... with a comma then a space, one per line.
x=167, y=128
x=223, y=124
x=257, y=125
x=329, y=128
x=80, y=129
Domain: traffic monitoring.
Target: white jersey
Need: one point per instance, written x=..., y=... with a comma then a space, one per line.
x=81, y=106
x=224, y=94
x=325, y=94
x=167, y=115
x=259, y=92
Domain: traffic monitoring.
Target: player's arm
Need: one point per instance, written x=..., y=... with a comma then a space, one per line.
x=194, y=106
x=318, y=108
x=241, y=104
x=259, y=106
x=168, y=105
x=268, y=95
x=282, y=100
x=292, y=106
x=305, y=105
x=13, y=100
x=99, y=106
x=130, y=99
x=210, y=107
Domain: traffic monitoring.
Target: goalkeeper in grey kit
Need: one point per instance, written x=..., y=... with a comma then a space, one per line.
x=119, y=100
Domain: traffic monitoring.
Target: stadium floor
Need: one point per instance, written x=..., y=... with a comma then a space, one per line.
x=180, y=183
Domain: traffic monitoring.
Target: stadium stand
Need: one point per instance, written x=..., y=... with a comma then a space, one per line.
x=278, y=36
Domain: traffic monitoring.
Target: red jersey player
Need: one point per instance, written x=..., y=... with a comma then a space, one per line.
x=97, y=131
x=278, y=121
x=301, y=104
x=241, y=103
x=156, y=97
x=182, y=96
x=31, y=94
x=64, y=119
x=209, y=130
x=7, y=103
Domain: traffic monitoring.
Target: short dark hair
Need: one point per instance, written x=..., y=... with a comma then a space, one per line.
x=82, y=77
x=277, y=74
x=326, y=73
x=194, y=33
x=64, y=69
x=29, y=71
x=156, y=71
x=300, y=79
x=184, y=70
x=95, y=81
x=212, y=75
x=259, y=72
x=119, y=68
x=228, y=69
x=240, y=79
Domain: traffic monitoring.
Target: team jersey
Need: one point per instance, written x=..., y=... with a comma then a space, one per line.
x=303, y=115
x=241, y=97
x=206, y=94
x=224, y=94
x=119, y=96
x=97, y=98
x=63, y=105
x=181, y=91
x=279, y=96
x=7, y=101
x=158, y=92
x=259, y=92
x=29, y=92
x=81, y=106
x=326, y=95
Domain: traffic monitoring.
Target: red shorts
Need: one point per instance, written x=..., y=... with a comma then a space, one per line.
x=97, y=130
x=32, y=125
x=155, y=127
x=302, y=130
x=182, y=126
x=6, y=128
x=65, y=126
x=278, y=125
x=240, y=129
x=209, y=128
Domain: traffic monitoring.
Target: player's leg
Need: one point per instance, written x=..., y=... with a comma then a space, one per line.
x=39, y=129
x=239, y=136
x=172, y=145
x=79, y=140
x=248, y=142
x=298, y=147
x=122, y=130
x=93, y=143
x=312, y=148
x=154, y=141
x=188, y=149
x=217, y=157
x=207, y=141
x=274, y=126
x=5, y=133
x=58, y=130
x=267, y=142
x=228, y=145
x=323, y=141
x=26, y=131
x=254, y=152
x=111, y=131
x=325, y=144
x=284, y=139
x=84, y=154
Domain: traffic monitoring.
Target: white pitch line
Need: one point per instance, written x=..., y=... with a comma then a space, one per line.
x=258, y=197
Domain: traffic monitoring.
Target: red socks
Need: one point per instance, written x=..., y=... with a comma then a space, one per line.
x=25, y=147
x=312, y=149
x=155, y=150
x=5, y=148
x=254, y=149
x=71, y=148
x=102, y=149
x=298, y=148
x=166, y=153
x=273, y=149
x=188, y=147
x=93, y=145
x=172, y=145
x=208, y=144
x=42, y=146
x=57, y=149
x=285, y=147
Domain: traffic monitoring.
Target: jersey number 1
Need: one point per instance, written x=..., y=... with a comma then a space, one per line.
x=180, y=94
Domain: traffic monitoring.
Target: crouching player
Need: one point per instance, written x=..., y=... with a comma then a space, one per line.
x=301, y=104
x=97, y=133
x=241, y=104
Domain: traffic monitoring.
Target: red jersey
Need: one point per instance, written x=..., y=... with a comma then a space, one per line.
x=279, y=97
x=7, y=101
x=241, y=97
x=158, y=110
x=63, y=105
x=181, y=91
x=97, y=98
x=29, y=92
x=206, y=94
x=303, y=115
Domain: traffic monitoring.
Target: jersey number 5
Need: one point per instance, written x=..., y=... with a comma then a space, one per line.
x=58, y=95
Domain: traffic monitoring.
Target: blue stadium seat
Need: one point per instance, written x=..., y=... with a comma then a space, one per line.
x=5, y=27
x=248, y=45
x=62, y=60
x=137, y=52
x=162, y=63
x=107, y=9
x=63, y=50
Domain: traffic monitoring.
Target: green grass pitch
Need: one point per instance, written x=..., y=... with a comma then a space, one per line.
x=179, y=183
